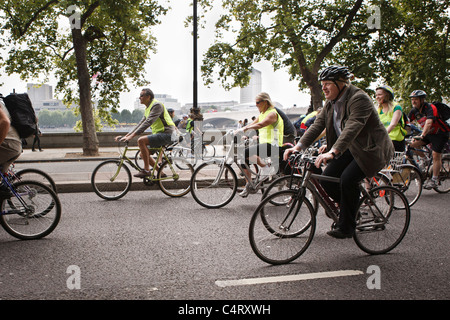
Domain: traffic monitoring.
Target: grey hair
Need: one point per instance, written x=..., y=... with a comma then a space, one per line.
x=149, y=92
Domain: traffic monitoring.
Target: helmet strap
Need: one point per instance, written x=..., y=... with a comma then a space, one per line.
x=340, y=90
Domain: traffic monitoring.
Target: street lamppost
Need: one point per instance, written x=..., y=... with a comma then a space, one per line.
x=195, y=102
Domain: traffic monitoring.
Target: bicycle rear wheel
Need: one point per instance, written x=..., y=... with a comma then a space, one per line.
x=111, y=180
x=177, y=182
x=444, y=176
x=34, y=214
x=280, y=234
x=382, y=220
x=212, y=189
x=36, y=175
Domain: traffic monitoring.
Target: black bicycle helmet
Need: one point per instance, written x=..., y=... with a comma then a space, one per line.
x=335, y=73
x=418, y=94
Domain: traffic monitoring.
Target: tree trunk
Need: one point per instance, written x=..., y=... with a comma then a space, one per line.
x=316, y=95
x=90, y=140
x=311, y=79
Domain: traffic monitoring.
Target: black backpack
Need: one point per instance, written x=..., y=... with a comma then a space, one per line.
x=443, y=110
x=23, y=117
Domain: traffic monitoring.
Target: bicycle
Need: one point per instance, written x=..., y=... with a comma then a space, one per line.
x=111, y=179
x=214, y=183
x=422, y=159
x=32, y=212
x=293, y=179
x=280, y=233
x=30, y=174
x=406, y=177
x=181, y=149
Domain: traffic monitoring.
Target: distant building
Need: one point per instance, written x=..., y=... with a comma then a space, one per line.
x=254, y=87
x=166, y=99
x=41, y=96
x=218, y=105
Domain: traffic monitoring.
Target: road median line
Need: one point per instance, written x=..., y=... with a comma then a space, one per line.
x=288, y=278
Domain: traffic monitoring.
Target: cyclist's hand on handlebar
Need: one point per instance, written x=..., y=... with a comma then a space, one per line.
x=238, y=132
x=244, y=137
x=287, y=152
x=322, y=149
x=323, y=158
x=117, y=139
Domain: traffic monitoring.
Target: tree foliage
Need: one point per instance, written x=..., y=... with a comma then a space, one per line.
x=377, y=39
x=92, y=47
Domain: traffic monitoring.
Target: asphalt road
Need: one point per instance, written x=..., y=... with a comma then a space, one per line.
x=148, y=246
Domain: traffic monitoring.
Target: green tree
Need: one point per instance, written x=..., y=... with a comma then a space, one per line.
x=424, y=59
x=125, y=116
x=404, y=43
x=100, y=41
x=137, y=115
x=69, y=118
x=45, y=118
x=297, y=35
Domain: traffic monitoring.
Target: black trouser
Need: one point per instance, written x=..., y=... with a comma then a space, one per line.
x=399, y=146
x=348, y=193
x=38, y=140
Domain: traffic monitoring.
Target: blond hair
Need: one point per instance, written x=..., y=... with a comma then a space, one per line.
x=264, y=96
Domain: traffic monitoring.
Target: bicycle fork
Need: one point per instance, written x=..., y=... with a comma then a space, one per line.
x=296, y=203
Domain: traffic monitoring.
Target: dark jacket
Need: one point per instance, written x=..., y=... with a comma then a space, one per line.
x=362, y=132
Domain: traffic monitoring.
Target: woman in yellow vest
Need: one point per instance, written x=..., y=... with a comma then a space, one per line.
x=270, y=128
x=391, y=116
x=158, y=118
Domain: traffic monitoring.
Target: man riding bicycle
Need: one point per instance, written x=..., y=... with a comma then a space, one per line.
x=433, y=131
x=158, y=118
x=357, y=142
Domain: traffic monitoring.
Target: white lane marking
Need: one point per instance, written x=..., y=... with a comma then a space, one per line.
x=298, y=277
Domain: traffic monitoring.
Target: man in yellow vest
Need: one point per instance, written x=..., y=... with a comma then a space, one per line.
x=158, y=118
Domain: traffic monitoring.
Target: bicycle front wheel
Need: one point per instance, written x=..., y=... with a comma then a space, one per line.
x=33, y=214
x=37, y=175
x=280, y=234
x=382, y=220
x=209, y=151
x=177, y=180
x=111, y=180
x=286, y=183
x=408, y=179
x=444, y=176
x=213, y=185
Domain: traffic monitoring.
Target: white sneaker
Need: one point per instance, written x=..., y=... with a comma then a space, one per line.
x=244, y=193
x=430, y=184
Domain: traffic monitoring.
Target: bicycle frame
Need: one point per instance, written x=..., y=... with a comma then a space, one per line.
x=124, y=158
x=16, y=194
x=230, y=158
x=312, y=180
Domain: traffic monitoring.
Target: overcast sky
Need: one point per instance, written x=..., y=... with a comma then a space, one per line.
x=170, y=71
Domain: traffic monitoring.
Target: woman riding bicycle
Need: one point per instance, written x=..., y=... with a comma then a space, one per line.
x=270, y=128
x=357, y=142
